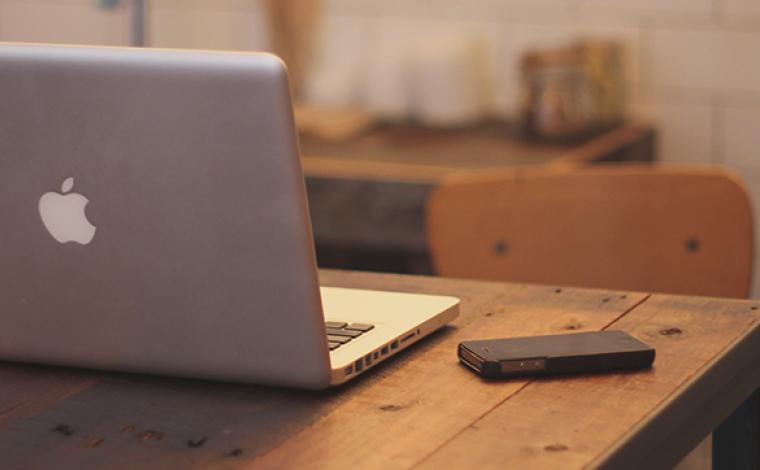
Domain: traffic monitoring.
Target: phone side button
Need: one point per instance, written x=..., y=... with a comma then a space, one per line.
x=523, y=365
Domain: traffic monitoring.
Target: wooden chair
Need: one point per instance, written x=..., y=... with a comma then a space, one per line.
x=675, y=230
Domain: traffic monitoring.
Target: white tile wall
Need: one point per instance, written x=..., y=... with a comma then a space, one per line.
x=712, y=60
x=685, y=131
x=741, y=141
x=650, y=7
x=338, y=68
x=741, y=7
x=502, y=10
x=396, y=37
x=228, y=25
x=67, y=21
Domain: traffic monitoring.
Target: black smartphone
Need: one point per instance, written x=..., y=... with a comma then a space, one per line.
x=595, y=351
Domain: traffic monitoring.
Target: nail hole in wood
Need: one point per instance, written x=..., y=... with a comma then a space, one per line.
x=234, y=453
x=557, y=290
x=63, y=429
x=500, y=247
x=692, y=245
x=195, y=443
x=754, y=307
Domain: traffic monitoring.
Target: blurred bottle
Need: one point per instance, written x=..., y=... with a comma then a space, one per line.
x=572, y=92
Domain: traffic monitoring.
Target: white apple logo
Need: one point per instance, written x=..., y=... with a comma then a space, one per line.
x=64, y=216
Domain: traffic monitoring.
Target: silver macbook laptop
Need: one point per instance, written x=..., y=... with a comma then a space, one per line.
x=154, y=220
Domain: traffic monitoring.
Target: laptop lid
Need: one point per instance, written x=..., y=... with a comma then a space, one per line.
x=154, y=217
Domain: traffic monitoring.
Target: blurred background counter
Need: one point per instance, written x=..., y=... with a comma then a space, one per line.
x=367, y=194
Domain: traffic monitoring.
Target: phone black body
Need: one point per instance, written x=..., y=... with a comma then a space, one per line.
x=595, y=351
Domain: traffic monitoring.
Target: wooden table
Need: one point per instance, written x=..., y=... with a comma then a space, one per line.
x=422, y=409
x=367, y=196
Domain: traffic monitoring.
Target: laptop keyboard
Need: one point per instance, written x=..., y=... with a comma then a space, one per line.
x=340, y=333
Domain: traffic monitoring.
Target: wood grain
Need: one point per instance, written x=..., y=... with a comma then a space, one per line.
x=27, y=390
x=570, y=421
x=420, y=409
x=405, y=415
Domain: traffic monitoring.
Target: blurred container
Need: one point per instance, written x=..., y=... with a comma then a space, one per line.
x=572, y=92
x=447, y=80
x=387, y=89
x=435, y=80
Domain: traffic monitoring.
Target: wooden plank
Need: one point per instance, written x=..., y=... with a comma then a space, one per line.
x=703, y=402
x=407, y=414
x=422, y=408
x=570, y=422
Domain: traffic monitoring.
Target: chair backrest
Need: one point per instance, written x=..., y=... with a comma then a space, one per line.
x=685, y=231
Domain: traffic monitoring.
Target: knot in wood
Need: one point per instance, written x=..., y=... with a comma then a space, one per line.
x=671, y=331
x=95, y=442
x=391, y=407
x=195, y=443
x=150, y=435
x=555, y=448
x=63, y=429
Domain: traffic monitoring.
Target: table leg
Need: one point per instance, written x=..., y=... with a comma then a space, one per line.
x=736, y=441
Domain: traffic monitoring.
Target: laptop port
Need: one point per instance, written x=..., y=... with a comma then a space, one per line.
x=349, y=370
x=359, y=365
x=368, y=360
x=375, y=354
x=384, y=350
x=408, y=337
x=394, y=345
